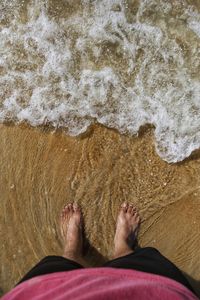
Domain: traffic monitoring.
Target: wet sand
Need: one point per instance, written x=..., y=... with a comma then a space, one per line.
x=41, y=171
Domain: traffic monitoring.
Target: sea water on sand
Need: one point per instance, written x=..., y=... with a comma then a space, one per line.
x=121, y=63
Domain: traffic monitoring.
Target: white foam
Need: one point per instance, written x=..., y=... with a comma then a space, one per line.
x=193, y=21
x=98, y=66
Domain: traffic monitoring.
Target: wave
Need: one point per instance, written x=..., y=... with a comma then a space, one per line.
x=120, y=63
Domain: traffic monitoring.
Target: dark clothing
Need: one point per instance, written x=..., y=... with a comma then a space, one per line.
x=147, y=259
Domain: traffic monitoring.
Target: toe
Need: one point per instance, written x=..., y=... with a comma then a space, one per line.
x=65, y=211
x=124, y=207
x=62, y=214
x=70, y=210
x=137, y=217
x=130, y=207
x=66, y=208
x=70, y=206
x=76, y=207
x=133, y=211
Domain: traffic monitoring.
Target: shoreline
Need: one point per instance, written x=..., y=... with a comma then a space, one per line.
x=41, y=171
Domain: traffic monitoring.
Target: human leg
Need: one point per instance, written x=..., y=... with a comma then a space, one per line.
x=147, y=259
x=127, y=227
x=72, y=234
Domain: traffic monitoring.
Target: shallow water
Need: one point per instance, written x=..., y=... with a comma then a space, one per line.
x=120, y=63
x=41, y=172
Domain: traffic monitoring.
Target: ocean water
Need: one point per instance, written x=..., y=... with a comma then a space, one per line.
x=123, y=64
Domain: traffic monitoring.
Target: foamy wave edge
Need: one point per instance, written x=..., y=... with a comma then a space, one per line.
x=54, y=89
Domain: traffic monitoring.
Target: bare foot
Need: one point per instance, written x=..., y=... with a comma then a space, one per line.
x=126, y=230
x=72, y=232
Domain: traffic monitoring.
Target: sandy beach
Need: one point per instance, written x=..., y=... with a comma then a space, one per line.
x=78, y=64
x=42, y=170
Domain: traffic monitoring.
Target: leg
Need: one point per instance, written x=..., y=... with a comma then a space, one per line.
x=72, y=234
x=127, y=227
x=146, y=259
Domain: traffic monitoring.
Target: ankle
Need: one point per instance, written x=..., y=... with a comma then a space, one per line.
x=74, y=257
x=121, y=248
x=71, y=254
x=117, y=254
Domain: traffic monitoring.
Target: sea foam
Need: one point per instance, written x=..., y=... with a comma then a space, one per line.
x=120, y=63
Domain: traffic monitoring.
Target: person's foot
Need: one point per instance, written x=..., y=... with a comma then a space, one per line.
x=126, y=230
x=72, y=232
